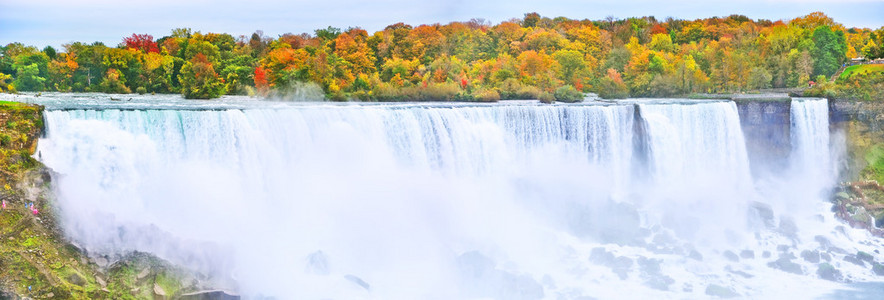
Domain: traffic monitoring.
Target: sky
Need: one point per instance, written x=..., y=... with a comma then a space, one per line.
x=56, y=22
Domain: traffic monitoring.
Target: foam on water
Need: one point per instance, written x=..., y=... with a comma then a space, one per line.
x=410, y=201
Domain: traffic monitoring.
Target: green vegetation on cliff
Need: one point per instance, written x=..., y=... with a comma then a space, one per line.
x=863, y=82
x=36, y=260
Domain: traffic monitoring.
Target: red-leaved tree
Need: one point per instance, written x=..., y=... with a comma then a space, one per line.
x=260, y=78
x=142, y=42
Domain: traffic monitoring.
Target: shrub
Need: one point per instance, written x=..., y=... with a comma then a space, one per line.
x=609, y=89
x=5, y=139
x=141, y=90
x=529, y=92
x=662, y=86
x=612, y=87
x=439, y=92
x=568, y=94
x=488, y=95
x=546, y=97
x=513, y=89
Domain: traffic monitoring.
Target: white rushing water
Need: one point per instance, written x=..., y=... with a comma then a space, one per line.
x=519, y=201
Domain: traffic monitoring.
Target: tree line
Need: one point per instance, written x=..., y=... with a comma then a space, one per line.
x=532, y=57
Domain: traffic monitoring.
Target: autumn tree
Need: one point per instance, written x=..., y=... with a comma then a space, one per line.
x=199, y=79
x=141, y=42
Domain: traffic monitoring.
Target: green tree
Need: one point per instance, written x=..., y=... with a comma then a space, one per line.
x=572, y=64
x=759, y=78
x=28, y=78
x=829, y=50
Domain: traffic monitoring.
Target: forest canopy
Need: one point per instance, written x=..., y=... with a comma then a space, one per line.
x=533, y=57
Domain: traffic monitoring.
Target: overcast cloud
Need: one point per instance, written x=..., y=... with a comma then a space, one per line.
x=55, y=22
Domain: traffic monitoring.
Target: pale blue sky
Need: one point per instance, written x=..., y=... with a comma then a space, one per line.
x=54, y=22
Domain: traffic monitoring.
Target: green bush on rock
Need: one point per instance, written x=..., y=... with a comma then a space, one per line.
x=568, y=94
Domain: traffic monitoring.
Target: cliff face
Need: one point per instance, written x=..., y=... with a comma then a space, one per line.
x=860, y=199
x=766, y=126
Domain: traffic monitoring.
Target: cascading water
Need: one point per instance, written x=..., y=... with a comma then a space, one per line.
x=440, y=201
x=810, y=140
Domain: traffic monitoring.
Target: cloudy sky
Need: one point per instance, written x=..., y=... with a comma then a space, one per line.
x=55, y=22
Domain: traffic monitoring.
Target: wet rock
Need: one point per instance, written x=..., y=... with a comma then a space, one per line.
x=834, y=249
x=786, y=265
x=649, y=265
x=663, y=238
x=811, y=256
x=765, y=254
x=825, y=256
x=483, y=280
x=101, y=262
x=651, y=273
x=695, y=255
x=823, y=241
x=747, y=254
x=715, y=290
x=687, y=288
x=141, y=275
x=317, y=263
x=158, y=291
x=878, y=268
x=783, y=248
x=861, y=216
x=763, y=213
x=621, y=266
x=659, y=282
x=741, y=273
x=601, y=256
x=731, y=256
x=854, y=260
x=77, y=279
x=787, y=255
x=879, y=220
x=788, y=228
x=358, y=281
x=828, y=272
x=864, y=256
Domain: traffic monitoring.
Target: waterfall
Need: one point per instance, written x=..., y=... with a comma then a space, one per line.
x=810, y=139
x=709, y=134
x=404, y=201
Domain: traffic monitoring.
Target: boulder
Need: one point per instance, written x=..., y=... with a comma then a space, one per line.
x=828, y=272
x=811, y=256
x=854, y=260
x=76, y=279
x=715, y=290
x=786, y=265
x=731, y=256
x=158, y=291
x=878, y=268
x=865, y=256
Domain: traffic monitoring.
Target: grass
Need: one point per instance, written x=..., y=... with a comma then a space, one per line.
x=860, y=69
